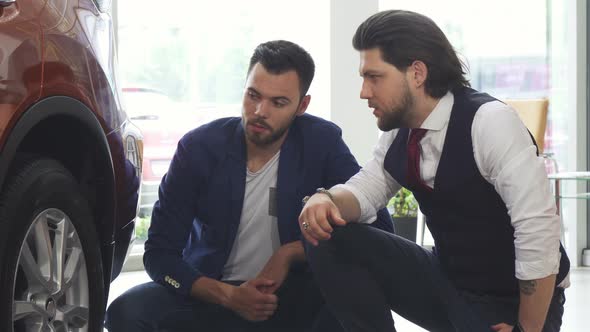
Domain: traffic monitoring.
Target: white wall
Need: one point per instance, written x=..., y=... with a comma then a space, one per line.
x=579, y=150
x=348, y=111
x=569, y=92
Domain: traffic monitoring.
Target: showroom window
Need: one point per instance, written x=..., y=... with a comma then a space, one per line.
x=184, y=64
x=506, y=58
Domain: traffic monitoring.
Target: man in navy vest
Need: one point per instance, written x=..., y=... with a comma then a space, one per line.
x=473, y=167
x=224, y=247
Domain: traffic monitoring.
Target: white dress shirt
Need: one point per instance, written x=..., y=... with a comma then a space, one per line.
x=506, y=158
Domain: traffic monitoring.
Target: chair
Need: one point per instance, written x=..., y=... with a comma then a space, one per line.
x=533, y=113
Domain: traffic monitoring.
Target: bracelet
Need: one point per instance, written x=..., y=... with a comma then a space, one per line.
x=318, y=191
x=304, y=200
x=326, y=192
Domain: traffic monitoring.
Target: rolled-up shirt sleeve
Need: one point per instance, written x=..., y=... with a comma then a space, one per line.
x=373, y=186
x=506, y=157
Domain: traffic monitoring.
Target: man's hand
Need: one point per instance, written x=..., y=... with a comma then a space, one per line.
x=277, y=267
x=502, y=327
x=246, y=300
x=317, y=216
x=250, y=303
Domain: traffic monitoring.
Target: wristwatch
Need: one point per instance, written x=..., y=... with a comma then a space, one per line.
x=326, y=192
x=318, y=191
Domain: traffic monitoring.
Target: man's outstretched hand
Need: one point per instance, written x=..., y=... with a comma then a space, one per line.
x=317, y=217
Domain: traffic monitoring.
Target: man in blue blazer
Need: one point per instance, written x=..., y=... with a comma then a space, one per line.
x=224, y=248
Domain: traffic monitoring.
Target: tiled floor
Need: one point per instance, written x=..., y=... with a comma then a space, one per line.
x=577, y=305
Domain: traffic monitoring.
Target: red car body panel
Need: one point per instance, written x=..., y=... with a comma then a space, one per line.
x=66, y=49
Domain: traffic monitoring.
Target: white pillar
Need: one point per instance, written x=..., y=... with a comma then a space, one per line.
x=351, y=113
x=579, y=75
x=569, y=93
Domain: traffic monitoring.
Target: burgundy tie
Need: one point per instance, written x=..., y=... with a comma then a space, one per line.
x=414, y=180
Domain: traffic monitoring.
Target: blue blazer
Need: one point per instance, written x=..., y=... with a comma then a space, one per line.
x=195, y=221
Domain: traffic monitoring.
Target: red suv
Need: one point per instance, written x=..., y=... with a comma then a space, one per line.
x=69, y=169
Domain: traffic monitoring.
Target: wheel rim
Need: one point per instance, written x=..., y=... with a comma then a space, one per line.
x=51, y=292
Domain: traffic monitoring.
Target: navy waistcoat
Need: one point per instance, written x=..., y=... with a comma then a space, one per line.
x=473, y=234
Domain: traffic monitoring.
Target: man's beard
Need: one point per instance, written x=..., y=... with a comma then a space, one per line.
x=397, y=116
x=262, y=141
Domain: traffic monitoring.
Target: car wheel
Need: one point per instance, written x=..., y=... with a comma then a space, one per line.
x=52, y=268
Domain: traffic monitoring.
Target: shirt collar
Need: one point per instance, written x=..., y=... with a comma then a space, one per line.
x=440, y=115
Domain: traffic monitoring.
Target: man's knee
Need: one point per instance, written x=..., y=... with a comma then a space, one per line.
x=361, y=243
x=342, y=238
x=120, y=313
x=352, y=236
x=350, y=231
x=133, y=309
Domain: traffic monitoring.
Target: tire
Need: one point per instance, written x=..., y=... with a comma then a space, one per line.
x=51, y=262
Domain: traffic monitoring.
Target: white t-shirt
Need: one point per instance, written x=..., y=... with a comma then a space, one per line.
x=258, y=234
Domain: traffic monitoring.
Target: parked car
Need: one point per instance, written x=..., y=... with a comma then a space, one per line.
x=70, y=163
x=162, y=122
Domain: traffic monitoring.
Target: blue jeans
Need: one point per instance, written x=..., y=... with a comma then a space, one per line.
x=152, y=307
x=364, y=273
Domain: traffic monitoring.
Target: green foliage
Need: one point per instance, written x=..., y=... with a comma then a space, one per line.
x=186, y=62
x=141, y=228
x=403, y=204
x=163, y=63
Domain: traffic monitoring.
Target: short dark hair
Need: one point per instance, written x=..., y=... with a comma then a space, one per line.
x=280, y=56
x=404, y=37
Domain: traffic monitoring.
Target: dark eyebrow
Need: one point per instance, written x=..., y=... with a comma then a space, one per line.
x=281, y=98
x=370, y=72
x=253, y=91
x=274, y=99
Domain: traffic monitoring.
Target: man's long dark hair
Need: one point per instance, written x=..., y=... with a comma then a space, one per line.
x=404, y=37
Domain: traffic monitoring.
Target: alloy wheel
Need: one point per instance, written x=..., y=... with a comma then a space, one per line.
x=51, y=290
